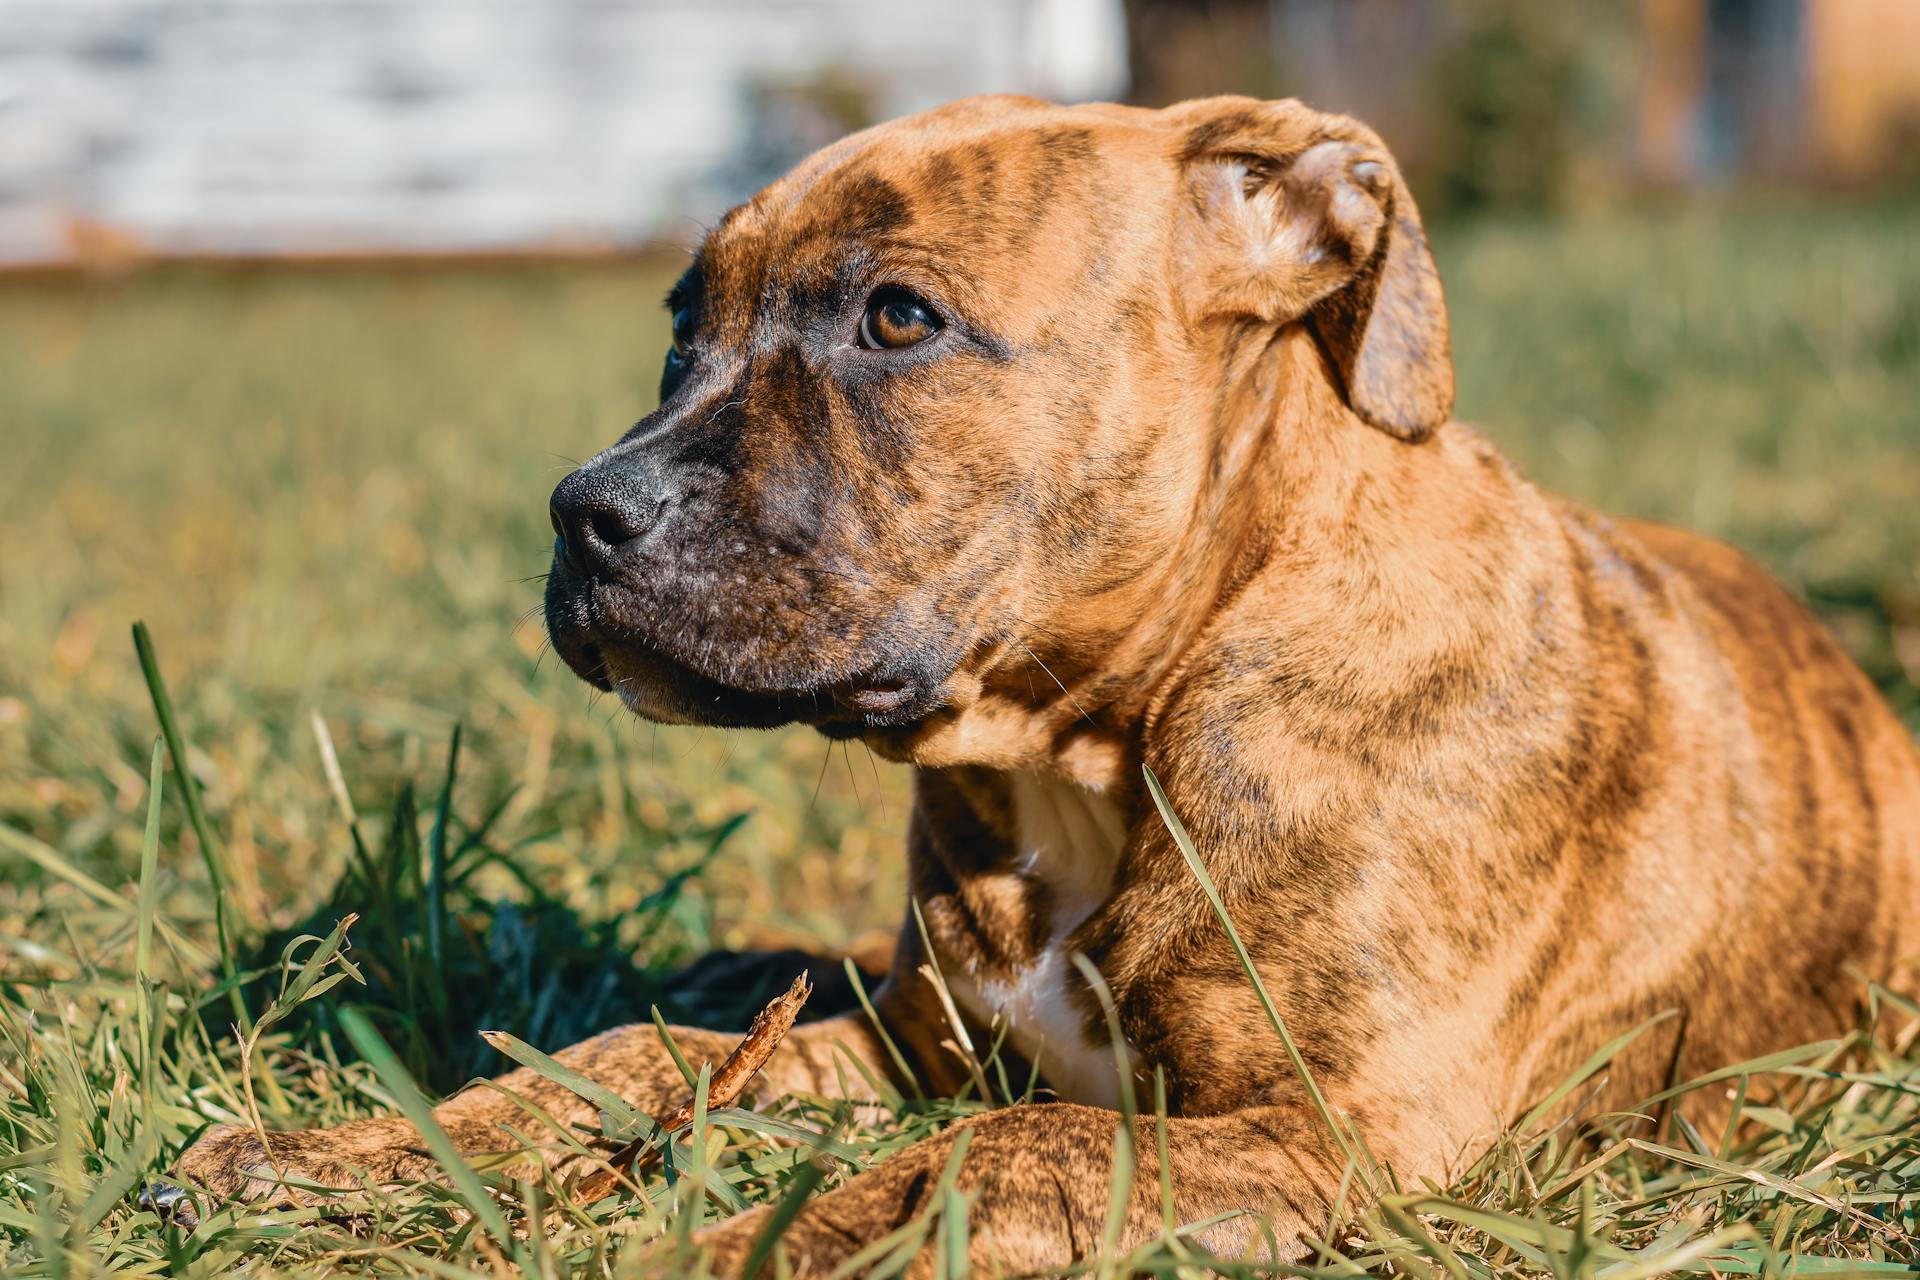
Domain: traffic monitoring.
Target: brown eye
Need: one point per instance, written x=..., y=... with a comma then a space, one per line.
x=896, y=318
x=682, y=330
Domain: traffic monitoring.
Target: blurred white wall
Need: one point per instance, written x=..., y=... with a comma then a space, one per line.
x=325, y=126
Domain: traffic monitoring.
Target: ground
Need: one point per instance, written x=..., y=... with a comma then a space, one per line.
x=324, y=493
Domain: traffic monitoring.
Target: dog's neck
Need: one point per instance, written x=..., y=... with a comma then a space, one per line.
x=1069, y=839
x=1060, y=847
x=1340, y=549
x=1348, y=538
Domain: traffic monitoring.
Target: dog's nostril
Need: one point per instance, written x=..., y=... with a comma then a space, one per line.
x=614, y=528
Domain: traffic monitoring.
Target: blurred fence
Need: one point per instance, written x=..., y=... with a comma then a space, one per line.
x=315, y=126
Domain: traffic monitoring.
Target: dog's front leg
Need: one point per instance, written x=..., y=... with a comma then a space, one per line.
x=230, y=1162
x=1038, y=1182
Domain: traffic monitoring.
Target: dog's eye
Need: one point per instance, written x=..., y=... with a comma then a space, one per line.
x=896, y=318
x=680, y=354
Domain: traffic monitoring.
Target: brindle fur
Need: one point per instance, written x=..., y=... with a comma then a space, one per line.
x=1484, y=778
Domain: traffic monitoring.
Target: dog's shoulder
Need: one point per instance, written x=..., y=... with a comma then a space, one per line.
x=1730, y=587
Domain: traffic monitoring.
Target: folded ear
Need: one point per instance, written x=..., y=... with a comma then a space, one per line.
x=1295, y=215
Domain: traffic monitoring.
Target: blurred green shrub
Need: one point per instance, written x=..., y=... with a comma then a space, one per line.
x=1504, y=94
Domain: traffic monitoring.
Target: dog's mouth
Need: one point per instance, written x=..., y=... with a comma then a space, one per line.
x=656, y=687
x=682, y=645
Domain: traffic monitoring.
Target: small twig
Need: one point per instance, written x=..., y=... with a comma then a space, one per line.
x=769, y=1028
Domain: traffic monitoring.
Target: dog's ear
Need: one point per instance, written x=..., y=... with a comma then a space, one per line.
x=1292, y=214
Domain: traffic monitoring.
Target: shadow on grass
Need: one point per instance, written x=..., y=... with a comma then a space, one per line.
x=443, y=961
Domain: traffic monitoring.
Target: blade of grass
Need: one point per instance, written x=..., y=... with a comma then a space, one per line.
x=879, y=1027
x=698, y=1167
x=297, y=985
x=1409, y=1226
x=1199, y=870
x=144, y=912
x=686, y=1070
x=1168, y=1223
x=414, y=1105
x=774, y=1127
x=1585, y=1070
x=1120, y=1181
x=1757, y=1066
x=961, y=1043
x=953, y=1232
x=625, y=1118
x=437, y=865
x=112, y=1189
x=210, y=852
x=1678, y=1258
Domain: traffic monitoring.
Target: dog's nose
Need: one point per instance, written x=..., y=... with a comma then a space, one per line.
x=597, y=511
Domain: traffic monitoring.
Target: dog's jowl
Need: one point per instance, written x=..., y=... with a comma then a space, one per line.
x=1038, y=446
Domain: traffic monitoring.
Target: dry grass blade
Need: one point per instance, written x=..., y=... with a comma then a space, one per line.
x=769, y=1028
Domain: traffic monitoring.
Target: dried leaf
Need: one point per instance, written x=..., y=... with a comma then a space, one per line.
x=770, y=1027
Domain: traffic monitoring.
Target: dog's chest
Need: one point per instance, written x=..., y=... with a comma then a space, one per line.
x=1068, y=842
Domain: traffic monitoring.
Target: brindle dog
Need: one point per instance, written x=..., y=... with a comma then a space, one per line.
x=1032, y=445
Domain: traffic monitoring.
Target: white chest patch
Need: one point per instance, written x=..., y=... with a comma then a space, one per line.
x=1069, y=841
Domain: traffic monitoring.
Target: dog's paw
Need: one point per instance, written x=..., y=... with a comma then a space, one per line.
x=723, y=1249
x=815, y=1243
x=309, y=1166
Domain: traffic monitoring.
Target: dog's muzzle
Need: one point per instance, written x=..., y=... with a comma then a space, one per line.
x=628, y=574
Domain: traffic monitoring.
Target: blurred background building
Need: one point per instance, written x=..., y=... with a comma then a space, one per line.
x=169, y=127
x=327, y=126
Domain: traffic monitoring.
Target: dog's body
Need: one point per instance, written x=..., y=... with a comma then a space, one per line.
x=1152, y=466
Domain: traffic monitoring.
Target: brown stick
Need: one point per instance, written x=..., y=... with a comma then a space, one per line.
x=769, y=1028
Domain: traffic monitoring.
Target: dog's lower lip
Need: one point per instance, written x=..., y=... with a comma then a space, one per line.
x=878, y=698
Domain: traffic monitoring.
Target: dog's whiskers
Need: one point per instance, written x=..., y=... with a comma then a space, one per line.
x=846, y=756
x=1084, y=713
x=825, y=760
x=878, y=789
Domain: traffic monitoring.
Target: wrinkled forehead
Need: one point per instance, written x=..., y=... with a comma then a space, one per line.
x=979, y=201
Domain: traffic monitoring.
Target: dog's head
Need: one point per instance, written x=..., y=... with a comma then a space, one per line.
x=943, y=408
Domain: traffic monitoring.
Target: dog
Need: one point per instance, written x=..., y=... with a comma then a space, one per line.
x=1040, y=447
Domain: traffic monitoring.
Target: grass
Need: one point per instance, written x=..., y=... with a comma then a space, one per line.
x=323, y=492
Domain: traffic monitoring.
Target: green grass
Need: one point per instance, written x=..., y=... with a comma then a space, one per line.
x=324, y=493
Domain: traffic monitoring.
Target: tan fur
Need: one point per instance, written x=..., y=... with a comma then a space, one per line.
x=1484, y=778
